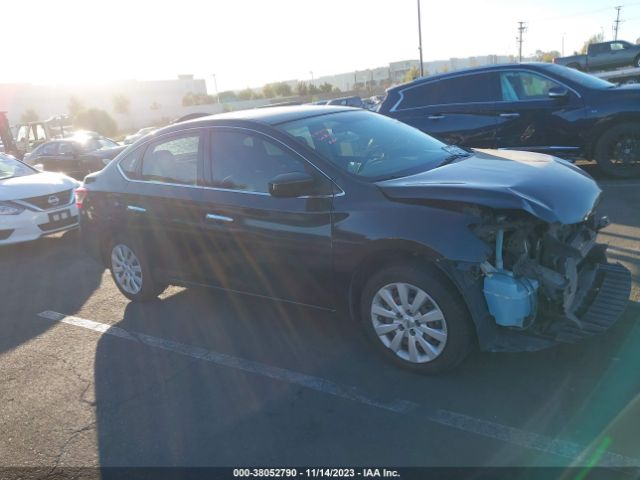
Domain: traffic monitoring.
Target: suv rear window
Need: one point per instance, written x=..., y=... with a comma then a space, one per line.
x=473, y=88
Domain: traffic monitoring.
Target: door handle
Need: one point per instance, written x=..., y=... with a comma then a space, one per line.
x=218, y=218
x=509, y=115
x=133, y=208
x=435, y=117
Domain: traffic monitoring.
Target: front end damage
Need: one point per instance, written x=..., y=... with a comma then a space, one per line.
x=545, y=282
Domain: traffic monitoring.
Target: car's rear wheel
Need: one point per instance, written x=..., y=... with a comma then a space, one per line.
x=618, y=151
x=131, y=273
x=636, y=62
x=412, y=316
x=575, y=66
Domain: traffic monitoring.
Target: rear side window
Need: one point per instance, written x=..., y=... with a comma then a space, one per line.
x=474, y=88
x=173, y=160
x=47, y=149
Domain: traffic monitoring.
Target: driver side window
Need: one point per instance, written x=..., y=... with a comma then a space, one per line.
x=248, y=162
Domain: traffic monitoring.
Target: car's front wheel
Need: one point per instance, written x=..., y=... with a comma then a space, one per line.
x=131, y=273
x=415, y=319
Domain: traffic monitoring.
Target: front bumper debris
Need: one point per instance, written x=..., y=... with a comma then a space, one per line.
x=602, y=307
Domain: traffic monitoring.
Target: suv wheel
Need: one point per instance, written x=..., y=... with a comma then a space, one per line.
x=414, y=319
x=131, y=273
x=618, y=151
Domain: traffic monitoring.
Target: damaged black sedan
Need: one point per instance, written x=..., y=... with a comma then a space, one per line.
x=431, y=247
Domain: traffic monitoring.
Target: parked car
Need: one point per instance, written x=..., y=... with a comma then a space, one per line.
x=75, y=156
x=430, y=247
x=604, y=56
x=347, y=102
x=538, y=107
x=33, y=203
x=129, y=139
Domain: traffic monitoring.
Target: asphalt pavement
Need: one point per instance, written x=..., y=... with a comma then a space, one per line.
x=204, y=378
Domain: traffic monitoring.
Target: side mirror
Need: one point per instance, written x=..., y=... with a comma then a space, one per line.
x=558, y=92
x=294, y=184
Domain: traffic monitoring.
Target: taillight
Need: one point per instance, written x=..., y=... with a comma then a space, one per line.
x=554, y=60
x=81, y=194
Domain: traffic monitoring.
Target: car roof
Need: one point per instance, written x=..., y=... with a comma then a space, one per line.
x=488, y=68
x=266, y=116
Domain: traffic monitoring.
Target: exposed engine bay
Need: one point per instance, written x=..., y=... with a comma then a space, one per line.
x=550, y=278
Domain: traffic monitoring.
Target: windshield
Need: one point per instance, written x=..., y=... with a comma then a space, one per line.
x=580, y=78
x=10, y=167
x=368, y=144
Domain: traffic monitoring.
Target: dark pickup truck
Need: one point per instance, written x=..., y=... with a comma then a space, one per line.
x=604, y=56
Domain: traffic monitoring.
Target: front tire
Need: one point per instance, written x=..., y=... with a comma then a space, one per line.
x=618, y=151
x=131, y=273
x=412, y=316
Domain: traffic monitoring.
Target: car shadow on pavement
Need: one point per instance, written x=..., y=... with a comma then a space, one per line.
x=51, y=273
x=159, y=408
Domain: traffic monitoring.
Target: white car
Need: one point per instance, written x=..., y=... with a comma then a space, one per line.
x=34, y=203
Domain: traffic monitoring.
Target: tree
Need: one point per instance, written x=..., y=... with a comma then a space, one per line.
x=326, y=87
x=597, y=38
x=191, y=98
x=246, y=94
x=96, y=120
x=336, y=90
x=302, y=89
x=121, y=104
x=546, y=56
x=226, y=96
x=412, y=74
x=268, y=91
x=313, y=90
x=29, y=116
x=75, y=106
x=283, y=89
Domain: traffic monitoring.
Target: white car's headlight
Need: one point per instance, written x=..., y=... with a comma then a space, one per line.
x=10, y=208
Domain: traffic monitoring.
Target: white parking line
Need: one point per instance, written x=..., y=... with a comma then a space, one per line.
x=496, y=431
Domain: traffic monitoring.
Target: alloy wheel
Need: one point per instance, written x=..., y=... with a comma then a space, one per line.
x=126, y=269
x=409, y=322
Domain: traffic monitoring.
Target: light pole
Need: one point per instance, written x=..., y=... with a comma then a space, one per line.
x=311, y=73
x=420, y=40
x=215, y=86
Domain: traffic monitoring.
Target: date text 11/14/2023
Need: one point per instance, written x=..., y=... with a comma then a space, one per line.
x=315, y=473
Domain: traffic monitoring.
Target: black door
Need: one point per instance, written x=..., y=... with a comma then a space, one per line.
x=64, y=157
x=457, y=110
x=528, y=118
x=162, y=203
x=257, y=243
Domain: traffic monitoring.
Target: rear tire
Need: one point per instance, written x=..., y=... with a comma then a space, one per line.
x=618, y=151
x=131, y=273
x=575, y=66
x=636, y=62
x=412, y=316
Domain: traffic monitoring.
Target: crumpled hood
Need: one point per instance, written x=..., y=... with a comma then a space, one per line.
x=35, y=185
x=547, y=187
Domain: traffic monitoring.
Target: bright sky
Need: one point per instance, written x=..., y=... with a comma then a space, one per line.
x=251, y=42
